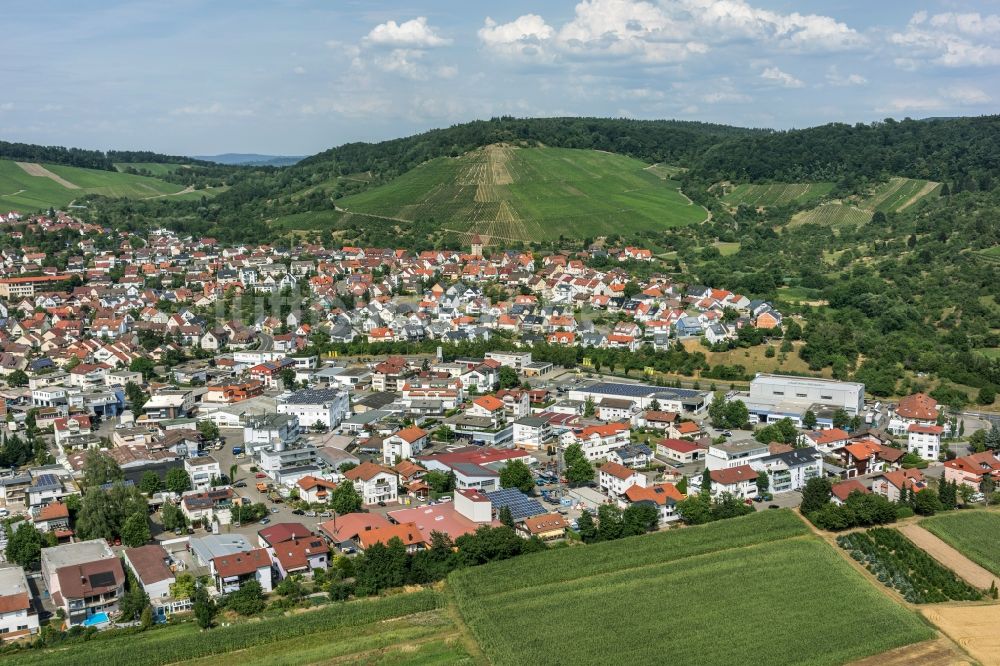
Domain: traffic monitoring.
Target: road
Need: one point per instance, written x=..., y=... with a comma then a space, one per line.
x=266, y=342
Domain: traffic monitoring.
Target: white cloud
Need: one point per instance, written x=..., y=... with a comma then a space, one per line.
x=835, y=78
x=966, y=95
x=6, y=106
x=781, y=78
x=403, y=62
x=415, y=33
x=950, y=40
x=525, y=35
x=299, y=70
x=665, y=31
x=213, y=109
x=951, y=97
x=724, y=98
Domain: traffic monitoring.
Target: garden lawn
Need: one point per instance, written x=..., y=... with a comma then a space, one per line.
x=975, y=534
x=692, y=595
x=337, y=630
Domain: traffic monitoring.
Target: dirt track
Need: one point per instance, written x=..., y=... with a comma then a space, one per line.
x=33, y=169
x=966, y=569
x=972, y=627
x=937, y=652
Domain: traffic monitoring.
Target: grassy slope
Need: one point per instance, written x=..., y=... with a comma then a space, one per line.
x=753, y=591
x=532, y=194
x=776, y=194
x=889, y=197
x=976, y=534
x=20, y=191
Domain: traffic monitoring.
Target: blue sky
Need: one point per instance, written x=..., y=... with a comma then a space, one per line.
x=299, y=76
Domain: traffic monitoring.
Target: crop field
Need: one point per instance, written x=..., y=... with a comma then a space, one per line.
x=893, y=196
x=401, y=629
x=975, y=534
x=22, y=191
x=776, y=194
x=898, y=563
x=527, y=194
x=673, y=593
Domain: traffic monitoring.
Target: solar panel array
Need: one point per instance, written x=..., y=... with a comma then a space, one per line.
x=640, y=390
x=521, y=506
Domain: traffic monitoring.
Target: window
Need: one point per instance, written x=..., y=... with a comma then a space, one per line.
x=779, y=393
x=826, y=397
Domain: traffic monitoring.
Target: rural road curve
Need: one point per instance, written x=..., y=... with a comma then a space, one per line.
x=966, y=569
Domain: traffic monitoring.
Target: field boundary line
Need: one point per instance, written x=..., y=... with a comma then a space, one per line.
x=35, y=169
x=928, y=187
x=949, y=557
x=652, y=564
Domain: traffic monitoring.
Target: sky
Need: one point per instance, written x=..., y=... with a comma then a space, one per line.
x=294, y=77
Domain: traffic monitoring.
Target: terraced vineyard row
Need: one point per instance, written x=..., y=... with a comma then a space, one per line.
x=776, y=194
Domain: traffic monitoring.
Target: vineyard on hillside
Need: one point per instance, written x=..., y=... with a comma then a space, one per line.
x=507, y=194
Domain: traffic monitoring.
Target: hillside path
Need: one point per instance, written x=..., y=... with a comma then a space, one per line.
x=924, y=191
x=965, y=568
x=33, y=169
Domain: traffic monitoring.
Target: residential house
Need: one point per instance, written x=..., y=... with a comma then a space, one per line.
x=924, y=440
x=791, y=470
x=231, y=571
x=150, y=564
x=973, y=469
x=546, y=527
x=614, y=479
x=374, y=483
x=83, y=579
x=403, y=445
x=17, y=616
x=890, y=484
x=663, y=496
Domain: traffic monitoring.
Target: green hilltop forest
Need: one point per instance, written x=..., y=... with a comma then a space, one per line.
x=884, y=237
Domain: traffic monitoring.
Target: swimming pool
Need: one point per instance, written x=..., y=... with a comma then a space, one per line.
x=95, y=619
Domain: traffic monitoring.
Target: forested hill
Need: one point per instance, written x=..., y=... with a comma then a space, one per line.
x=671, y=141
x=963, y=151
x=87, y=159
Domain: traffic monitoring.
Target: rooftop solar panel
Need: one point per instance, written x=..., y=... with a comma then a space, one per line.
x=521, y=506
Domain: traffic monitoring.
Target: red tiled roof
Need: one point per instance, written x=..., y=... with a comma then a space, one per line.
x=241, y=564
x=732, y=475
x=618, y=471
x=659, y=493
x=844, y=488
x=918, y=406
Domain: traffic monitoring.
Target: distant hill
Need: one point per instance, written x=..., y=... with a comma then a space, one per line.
x=251, y=159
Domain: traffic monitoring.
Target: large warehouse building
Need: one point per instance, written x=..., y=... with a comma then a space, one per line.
x=775, y=397
x=642, y=395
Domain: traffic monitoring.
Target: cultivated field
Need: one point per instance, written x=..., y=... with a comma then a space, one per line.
x=528, y=194
x=33, y=187
x=775, y=194
x=973, y=627
x=402, y=629
x=893, y=196
x=975, y=534
x=724, y=593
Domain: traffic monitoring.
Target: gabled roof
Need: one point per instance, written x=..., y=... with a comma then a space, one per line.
x=366, y=471
x=659, y=494
x=241, y=564
x=844, y=488
x=616, y=470
x=733, y=475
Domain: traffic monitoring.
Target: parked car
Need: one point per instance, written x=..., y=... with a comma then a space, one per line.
x=240, y=484
x=265, y=520
x=381, y=503
x=325, y=514
x=260, y=475
x=310, y=514
x=299, y=512
x=274, y=509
